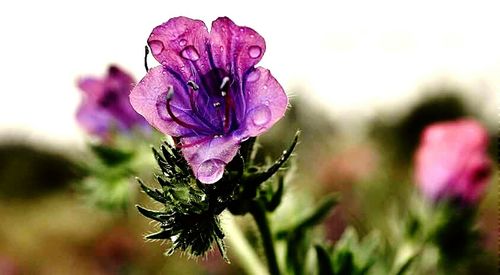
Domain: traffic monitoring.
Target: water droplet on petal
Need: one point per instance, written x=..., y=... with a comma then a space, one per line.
x=261, y=115
x=190, y=53
x=210, y=170
x=254, y=51
x=253, y=76
x=156, y=46
x=182, y=42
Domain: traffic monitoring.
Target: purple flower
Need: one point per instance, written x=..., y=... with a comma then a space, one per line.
x=105, y=106
x=207, y=91
x=452, y=162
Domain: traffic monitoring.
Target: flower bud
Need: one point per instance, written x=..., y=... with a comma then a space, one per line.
x=451, y=161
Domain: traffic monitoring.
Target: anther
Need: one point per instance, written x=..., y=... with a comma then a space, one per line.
x=224, y=84
x=170, y=92
x=193, y=85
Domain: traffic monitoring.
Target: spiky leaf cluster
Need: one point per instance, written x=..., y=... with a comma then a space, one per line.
x=191, y=209
x=188, y=220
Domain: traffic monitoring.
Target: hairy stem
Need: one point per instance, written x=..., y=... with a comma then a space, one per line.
x=244, y=252
x=258, y=213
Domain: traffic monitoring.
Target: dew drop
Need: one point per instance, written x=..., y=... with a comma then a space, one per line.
x=253, y=76
x=182, y=42
x=190, y=53
x=261, y=115
x=156, y=46
x=210, y=170
x=254, y=51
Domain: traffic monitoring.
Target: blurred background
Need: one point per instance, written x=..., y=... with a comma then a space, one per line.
x=364, y=79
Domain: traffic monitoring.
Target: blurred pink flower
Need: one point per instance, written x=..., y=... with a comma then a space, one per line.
x=105, y=105
x=451, y=161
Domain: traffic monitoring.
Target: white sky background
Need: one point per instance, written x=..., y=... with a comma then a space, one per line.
x=353, y=58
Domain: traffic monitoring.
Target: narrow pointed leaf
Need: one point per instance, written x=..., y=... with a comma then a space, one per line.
x=312, y=218
x=276, y=198
x=258, y=178
x=324, y=261
x=157, y=216
x=162, y=235
x=154, y=194
x=247, y=148
x=322, y=210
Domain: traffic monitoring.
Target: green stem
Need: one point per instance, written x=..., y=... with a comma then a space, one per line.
x=259, y=215
x=246, y=256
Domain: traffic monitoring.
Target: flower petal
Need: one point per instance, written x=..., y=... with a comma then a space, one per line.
x=266, y=103
x=208, y=156
x=235, y=49
x=91, y=87
x=181, y=43
x=93, y=119
x=148, y=98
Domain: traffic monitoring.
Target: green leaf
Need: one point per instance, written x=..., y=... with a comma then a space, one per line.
x=159, y=235
x=154, y=215
x=109, y=155
x=312, y=218
x=324, y=261
x=257, y=178
x=154, y=194
x=276, y=197
x=247, y=148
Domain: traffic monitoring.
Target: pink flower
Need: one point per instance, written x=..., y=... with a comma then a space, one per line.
x=207, y=91
x=105, y=104
x=451, y=161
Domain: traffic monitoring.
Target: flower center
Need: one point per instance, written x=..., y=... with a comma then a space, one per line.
x=109, y=99
x=212, y=105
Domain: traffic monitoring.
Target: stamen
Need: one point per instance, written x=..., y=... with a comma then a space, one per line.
x=224, y=86
x=192, y=93
x=227, y=112
x=194, y=87
x=170, y=94
x=146, y=49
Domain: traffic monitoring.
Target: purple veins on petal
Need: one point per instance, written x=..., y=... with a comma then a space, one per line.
x=207, y=92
